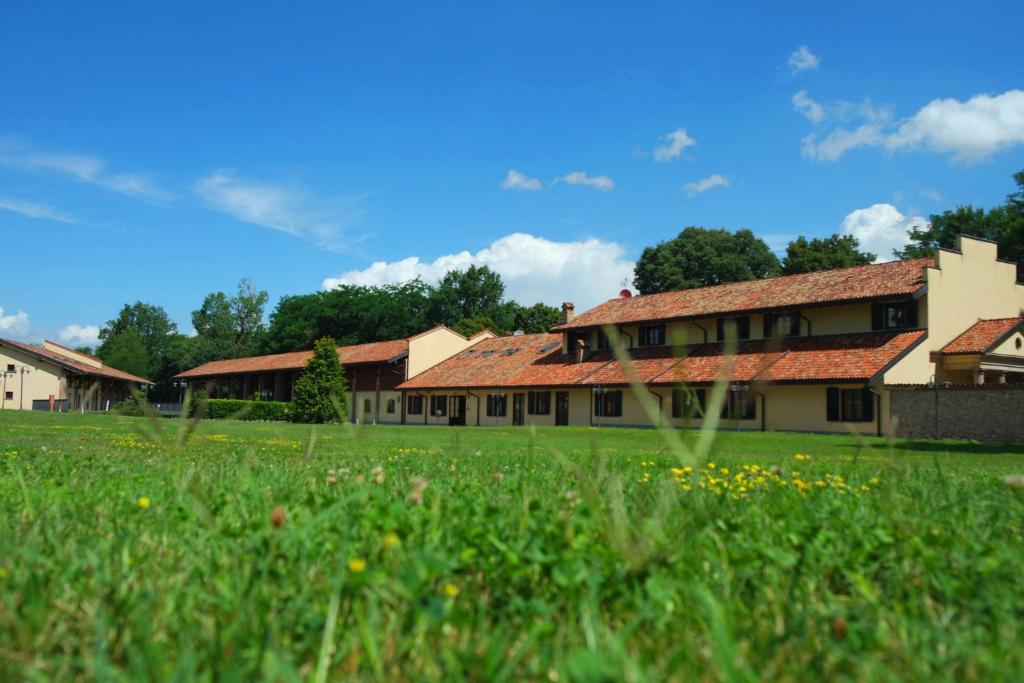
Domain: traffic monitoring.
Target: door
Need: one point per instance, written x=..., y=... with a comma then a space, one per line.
x=561, y=407
x=456, y=410
x=518, y=408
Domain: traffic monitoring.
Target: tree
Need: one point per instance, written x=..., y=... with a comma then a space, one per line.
x=321, y=386
x=536, y=318
x=471, y=293
x=87, y=350
x=126, y=351
x=699, y=257
x=152, y=324
x=229, y=327
x=467, y=327
x=247, y=307
x=137, y=341
x=1002, y=224
x=837, y=251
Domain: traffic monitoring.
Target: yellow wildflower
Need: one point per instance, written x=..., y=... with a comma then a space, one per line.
x=391, y=540
x=451, y=590
x=143, y=502
x=357, y=565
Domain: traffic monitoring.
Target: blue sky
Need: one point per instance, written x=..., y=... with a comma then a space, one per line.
x=158, y=153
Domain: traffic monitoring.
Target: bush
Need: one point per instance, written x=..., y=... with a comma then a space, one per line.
x=320, y=392
x=130, y=407
x=236, y=409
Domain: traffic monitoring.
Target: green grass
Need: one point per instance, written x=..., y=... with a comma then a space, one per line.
x=561, y=554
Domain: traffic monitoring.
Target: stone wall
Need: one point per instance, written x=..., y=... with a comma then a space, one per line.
x=981, y=413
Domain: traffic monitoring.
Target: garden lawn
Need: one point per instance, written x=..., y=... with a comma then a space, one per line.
x=134, y=550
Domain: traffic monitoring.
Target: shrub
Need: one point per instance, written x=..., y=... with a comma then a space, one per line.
x=320, y=392
x=130, y=407
x=236, y=409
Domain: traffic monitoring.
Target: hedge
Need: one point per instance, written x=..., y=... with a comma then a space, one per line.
x=235, y=409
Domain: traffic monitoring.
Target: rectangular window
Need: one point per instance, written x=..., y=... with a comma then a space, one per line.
x=652, y=335
x=894, y=315
x=735, y=326
x=414, y=405
x=739, y=405
x=10, y=367
x=9, y=395
x=782, y=324
x=574, y=341
x=497, y=405
x=608, y=403
x=688, y=403
x=849, y=405
x=439, y=405
x=603, y=342
x=538, y=403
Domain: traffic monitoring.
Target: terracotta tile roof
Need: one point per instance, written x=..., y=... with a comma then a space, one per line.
x=841, y=357
x=77, y=367
x=357, y=354
x=981, y=335
x=844, y=285
x=536, y=360
x=704, y=363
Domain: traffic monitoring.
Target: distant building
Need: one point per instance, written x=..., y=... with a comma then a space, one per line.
x=373, y=372
x=808, y=352
x=54, y=377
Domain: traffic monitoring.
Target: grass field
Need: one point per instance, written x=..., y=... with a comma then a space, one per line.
x=249, y=551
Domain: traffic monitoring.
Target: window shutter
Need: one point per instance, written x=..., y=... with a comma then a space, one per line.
x=725, y=405
x=877, y=315
x=869, y=406
x=832, y=404
x=701, y=396
x=912, y=314
x=677, y=403
x=531, y=402
x=743, y=327
x=597, y=403
x=794, y=328
x=720, y=327
x=749, y=407
x=768, y=323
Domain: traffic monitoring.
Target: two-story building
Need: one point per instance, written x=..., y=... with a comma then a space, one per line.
x=811, y=352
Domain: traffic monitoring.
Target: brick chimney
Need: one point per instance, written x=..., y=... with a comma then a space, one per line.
x=567, y=312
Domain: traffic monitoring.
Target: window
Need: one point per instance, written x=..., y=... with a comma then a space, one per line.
x=497, y=405
x=739, y=326
x=782, y=324
x=849, y=405
x=9, y=395
x=574, y=341
x=10, y=367
x=391, y=406
x=414, y=405
x=538, y=403
x=603, y=342
x=688, y=403
x=608, y=403
x=367, y=406
x=439, y=405
x=894, y=315
x=739, y=405
x=652, y=335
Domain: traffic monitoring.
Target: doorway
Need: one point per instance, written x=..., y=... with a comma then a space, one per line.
x=561, y=407
x=518, y=408
x=456, y=410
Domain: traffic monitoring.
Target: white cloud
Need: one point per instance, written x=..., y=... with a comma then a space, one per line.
x=34, y=210
x=86, y=169
x=802, y=60
x=704, y=184
x=675, y=143
x=514, y=180
x=811, y=110
x=881, y=228
x=13, y=325
x=533, y=269
x=971, y=131
x=600, y=182
x=275, y=206
x=80, y=335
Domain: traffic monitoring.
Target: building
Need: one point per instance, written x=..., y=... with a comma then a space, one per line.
x=54, y=377
x=373, y=372
x=809, y=352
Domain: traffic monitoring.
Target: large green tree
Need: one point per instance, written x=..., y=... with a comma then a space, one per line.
x=320, y=392
x=1003, y=224
x=700, y=256
x=474, y=292
x=229, y=327
x=536, y=318
x=824, y=253
x=126, y=351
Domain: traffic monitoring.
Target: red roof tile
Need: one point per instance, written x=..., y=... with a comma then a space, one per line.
x=77, y=367
x=705, y=363
x=840, y=357
x=358, y=354
x=844, y=285
x=980, y=336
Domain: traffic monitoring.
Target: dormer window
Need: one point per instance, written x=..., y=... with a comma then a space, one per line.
x=739, y=327
x=652, y=335
x=894, y=315
x=785, y=324
x=574, y=341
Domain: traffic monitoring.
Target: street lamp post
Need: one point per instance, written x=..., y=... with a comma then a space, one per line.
x=21, y=398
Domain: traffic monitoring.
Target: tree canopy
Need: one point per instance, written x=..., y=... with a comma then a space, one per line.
x=320, y=392
x=824, y=253
x=698, y=257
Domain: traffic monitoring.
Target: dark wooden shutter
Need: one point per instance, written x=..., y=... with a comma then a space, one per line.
x=877, y=316
x=912, y=314
x=832, y=404
x=597, y=402
x=531, y=402
x=869, y=406
x=768, y=325
x=749, y=406
x=701, y=398
x=794, y=324
x=720, y=327
x=725, y=405
x=743, y=327
x=677, y=403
